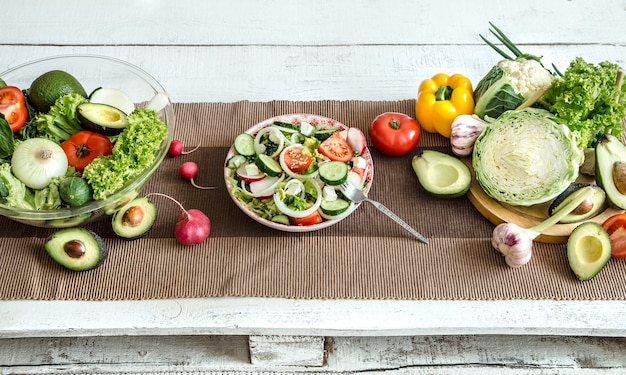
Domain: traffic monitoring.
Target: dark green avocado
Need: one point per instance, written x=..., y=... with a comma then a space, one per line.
x=591, y=206
x=588, y=250
x=134, y=219
x=77, y=249
x=101, y=118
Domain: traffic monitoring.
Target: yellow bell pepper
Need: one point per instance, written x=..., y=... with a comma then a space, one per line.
x=440, y=99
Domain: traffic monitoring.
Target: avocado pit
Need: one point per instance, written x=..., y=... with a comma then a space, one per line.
x=134, y=219
x=619, y=176
x=74, y=248
x=133, y=216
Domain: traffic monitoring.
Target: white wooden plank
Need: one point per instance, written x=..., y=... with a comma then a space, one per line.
x=538, y=352
x=345, y=355
x=302, y=22
x=275, y=316
x=257, y=73
x=281, y=350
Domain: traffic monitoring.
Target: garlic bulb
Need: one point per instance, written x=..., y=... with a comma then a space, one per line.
x=465, y=130
x=514, y=242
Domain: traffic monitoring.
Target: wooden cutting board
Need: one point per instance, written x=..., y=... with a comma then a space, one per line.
x=526, y=217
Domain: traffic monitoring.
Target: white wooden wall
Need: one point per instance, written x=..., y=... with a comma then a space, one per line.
x=309, y=50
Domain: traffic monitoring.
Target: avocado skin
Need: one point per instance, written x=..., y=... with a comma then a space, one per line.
x=89, y=115
x=423, y=164
x=598, y=197
x=582, y=247
x=134, y=232
x=608, y=151
x=95, y=248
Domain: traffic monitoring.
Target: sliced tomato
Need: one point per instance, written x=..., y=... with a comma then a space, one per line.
x=615, y=226
x=297, y=160
x=84, y=146
x=314, y=218
x=337, y=148
x=13, y=107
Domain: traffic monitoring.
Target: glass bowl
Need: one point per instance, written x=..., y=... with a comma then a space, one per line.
x=92, y=71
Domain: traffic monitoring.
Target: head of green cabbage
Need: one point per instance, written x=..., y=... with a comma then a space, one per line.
x=526, y=157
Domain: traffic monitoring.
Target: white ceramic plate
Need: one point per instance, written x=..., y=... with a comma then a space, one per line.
x=297, y=119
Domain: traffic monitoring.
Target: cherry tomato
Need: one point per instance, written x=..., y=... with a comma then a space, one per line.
x=615, y=226
x=84, y=146
x=314, y=218
x=336, y=147
x=394, y=134
x=297, y=160
x=13, y=107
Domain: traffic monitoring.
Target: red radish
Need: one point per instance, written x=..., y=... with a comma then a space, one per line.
x=356, y=140
x=242, y=173
x=188, y=171
x=192, y=227
x=177, y=148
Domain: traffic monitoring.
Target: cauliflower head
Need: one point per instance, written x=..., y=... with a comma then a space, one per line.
x=526, y=76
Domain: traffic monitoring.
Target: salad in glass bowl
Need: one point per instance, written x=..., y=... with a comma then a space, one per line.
x=84, y=152
x=285, y=172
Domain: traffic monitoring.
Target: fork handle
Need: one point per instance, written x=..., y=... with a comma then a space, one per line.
x=395, y=218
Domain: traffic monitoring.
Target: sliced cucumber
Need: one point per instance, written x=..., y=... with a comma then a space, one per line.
x=236, y=161
x=334, y=207
x=244, y=144
x=281, y=219
x=322, y=134
x=334, y=172
x=268, y=165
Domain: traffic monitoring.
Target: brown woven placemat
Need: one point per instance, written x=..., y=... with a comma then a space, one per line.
x=366, y=256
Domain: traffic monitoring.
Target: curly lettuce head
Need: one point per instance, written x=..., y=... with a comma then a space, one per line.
x=587, y=98
x=526, y=157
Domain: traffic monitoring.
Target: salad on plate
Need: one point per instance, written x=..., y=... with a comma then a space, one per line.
x=285, y=172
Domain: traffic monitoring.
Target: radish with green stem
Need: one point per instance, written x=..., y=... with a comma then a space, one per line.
x=188, y=171
x=192, y=226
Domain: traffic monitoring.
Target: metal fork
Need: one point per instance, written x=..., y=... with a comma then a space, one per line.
x=356, y=195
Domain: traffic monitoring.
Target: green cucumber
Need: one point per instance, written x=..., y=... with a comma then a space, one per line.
x=323, y=134
x=268, y=165
x=244, y=144
x=334, y=207
x=334, y=172
x=281, y=219
x=236, y=161
x=75, y=191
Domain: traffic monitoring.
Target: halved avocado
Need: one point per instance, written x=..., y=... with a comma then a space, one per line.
x=591, y=206
x=134, y=219
x=588, y=250
x=610, y=171
x=442, y=175
x=101, y=118
x=77, y=249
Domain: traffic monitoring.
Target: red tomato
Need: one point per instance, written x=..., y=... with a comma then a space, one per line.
x=394, y=134
x=297, y=160
x=336, y=147
x=13, y=107
x=314, y=218
x=615, y=226
x=84, y=146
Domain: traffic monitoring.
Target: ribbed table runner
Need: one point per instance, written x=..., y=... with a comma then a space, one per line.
x=365, y=256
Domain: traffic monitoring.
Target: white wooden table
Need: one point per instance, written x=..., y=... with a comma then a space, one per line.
x=302, y=50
